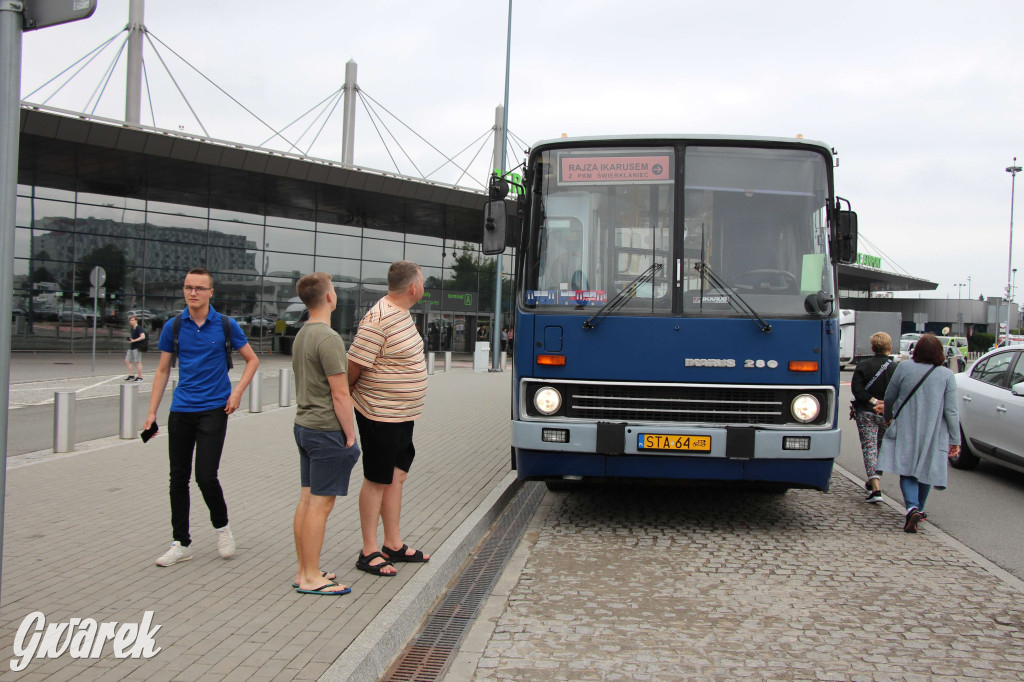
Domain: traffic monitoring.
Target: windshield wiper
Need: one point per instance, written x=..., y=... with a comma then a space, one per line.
x=739, y=305
x=627, y=292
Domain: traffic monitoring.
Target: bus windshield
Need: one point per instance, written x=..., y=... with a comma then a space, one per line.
x=599, y=217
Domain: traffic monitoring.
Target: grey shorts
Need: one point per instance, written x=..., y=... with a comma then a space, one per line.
x=325, y=464
x=133, y=355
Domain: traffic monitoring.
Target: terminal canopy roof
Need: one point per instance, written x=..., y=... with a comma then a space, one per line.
x=78, y=153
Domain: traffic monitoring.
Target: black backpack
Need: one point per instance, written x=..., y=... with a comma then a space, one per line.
x=225, y=321
x=144, y=344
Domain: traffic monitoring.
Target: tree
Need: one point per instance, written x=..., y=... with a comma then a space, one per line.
x=111, y=258
x=471, y=271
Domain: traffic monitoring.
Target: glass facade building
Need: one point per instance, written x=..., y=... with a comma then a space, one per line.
x=122, y=200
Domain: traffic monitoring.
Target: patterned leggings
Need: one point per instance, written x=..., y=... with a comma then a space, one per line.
x=870, y=428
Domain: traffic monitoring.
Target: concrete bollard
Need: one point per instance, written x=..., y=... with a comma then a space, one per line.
x=63, y=421
x=129, y=405
x=504, y=358
x=447, y=361
x=284, y=389
x=430, y=363
x=174, y=385
x=256, y=392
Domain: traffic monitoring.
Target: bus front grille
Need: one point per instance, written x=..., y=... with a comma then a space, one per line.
x=689, y=404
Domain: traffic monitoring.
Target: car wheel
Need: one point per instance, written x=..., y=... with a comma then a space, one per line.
x=966, y=459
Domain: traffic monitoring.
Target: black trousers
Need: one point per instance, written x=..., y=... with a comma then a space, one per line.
x=204, y=433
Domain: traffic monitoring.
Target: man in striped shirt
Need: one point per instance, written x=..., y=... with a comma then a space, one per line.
x=388, y=382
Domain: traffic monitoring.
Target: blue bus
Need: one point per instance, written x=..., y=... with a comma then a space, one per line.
x=676, y=311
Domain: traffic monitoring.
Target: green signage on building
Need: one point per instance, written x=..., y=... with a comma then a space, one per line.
x=869, y=261
x=435, y=299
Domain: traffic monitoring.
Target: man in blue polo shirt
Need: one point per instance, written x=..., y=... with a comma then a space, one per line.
x=199, y=411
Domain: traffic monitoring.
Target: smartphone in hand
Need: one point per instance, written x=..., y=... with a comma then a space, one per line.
x=150, y=432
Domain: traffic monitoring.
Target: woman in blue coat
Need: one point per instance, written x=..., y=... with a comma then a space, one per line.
x=926, y=430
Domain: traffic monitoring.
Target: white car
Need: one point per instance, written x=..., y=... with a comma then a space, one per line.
x=991, y=403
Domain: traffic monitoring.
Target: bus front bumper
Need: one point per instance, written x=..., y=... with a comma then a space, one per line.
x=802, y=457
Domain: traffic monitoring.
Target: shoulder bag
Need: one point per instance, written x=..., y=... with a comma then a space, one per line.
x=912, y=391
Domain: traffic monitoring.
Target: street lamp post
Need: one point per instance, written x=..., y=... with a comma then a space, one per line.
x=1012, y=170
x=1013, y=288
x=960, y=321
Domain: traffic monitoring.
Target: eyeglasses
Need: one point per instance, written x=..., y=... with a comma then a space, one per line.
x=197, y=290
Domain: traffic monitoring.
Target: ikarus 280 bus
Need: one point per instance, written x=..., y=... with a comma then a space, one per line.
x=675, y=309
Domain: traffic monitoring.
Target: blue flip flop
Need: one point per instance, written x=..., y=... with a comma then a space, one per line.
x=323, y=574
x=320, y=590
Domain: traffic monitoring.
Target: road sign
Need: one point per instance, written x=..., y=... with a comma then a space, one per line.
x=42, y=13
x=98, y=276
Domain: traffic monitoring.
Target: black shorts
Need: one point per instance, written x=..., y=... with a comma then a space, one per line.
x=386, y=445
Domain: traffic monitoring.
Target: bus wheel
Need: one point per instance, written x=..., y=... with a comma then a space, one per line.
x=560, y=485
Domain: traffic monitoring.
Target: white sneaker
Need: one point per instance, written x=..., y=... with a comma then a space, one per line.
x=225, y=542
x=175, y=554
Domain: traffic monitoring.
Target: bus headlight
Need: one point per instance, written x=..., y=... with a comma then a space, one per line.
x=805, y=408
x=547, y=400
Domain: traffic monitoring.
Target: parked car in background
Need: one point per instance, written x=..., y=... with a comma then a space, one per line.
x=75, y=314
x=957, y=341
x=955, y=359
x=991, y=403
x=1005, y=341
x=141, y=314
x=261, y=324
x=906, y=348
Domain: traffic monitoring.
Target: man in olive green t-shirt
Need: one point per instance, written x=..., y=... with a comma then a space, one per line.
x=325, y=430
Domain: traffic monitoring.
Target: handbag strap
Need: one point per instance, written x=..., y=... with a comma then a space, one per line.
x=878, y=374
x=912, y=391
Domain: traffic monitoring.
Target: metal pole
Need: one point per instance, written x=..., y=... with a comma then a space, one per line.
x=129, y=410
x=256, y=392
x=95, y=313
x=10, y=123
x=63, y=421
x=348, y=128
x=430, y=363
x=133, y=87
x=495, y=336
x=447, y=361
x=284, y=393
x=1012, y=170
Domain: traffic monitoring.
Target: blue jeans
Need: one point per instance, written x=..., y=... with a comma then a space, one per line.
x=914, y=492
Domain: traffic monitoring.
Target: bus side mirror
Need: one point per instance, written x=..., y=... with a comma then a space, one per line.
x=495, y=220
x=845, y=239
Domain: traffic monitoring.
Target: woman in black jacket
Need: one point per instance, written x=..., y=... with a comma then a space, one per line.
x=869, y=382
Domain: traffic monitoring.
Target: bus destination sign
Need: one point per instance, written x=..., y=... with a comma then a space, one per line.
x=615, y=169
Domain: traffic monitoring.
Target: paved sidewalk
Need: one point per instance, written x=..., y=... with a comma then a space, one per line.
x=82, y=533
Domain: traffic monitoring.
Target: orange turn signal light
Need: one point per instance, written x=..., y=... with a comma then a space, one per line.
x=803, y=366
x=551, y=360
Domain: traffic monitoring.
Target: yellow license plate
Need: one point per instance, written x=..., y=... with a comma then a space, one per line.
x=664, y=441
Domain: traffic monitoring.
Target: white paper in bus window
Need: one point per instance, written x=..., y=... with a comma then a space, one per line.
x=812, y=271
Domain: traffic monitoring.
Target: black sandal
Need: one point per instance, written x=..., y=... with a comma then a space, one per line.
x=400, y=555
x=363, y=564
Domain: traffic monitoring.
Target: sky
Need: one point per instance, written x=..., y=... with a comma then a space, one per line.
x=923, y=101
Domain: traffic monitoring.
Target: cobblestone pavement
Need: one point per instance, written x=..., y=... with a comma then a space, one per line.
x=689, y=583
